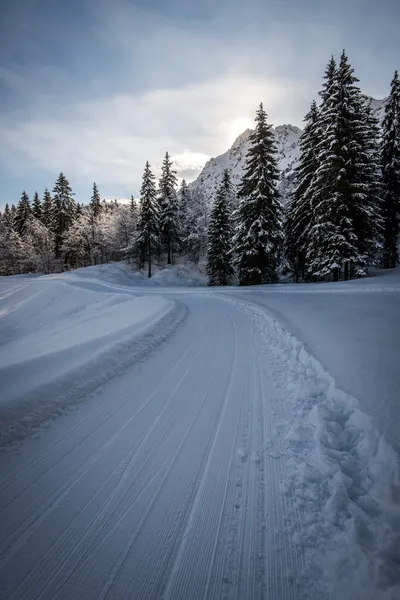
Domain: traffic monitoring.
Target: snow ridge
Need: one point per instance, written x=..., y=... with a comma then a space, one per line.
x=341, y=482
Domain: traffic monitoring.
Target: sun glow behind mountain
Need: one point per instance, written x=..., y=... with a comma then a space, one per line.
x=234, y=127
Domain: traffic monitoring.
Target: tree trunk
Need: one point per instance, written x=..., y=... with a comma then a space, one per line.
x=149, y=261
x=346, y=271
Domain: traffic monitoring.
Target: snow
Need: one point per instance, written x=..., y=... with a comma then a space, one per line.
x=55, y=333
x=287, y=139
x=217, y=453
x=287, y=142
x=354, y=330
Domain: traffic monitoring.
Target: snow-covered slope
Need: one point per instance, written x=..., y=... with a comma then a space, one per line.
x=287, y=141
x=64, y=336
x=287, y=138
x=236, y=459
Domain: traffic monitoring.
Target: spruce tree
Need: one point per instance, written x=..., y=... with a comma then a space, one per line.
x=95, y=202
x=344, y=190
x=259, y=215
x=169, y=208
x=390, y=162
x=37, y=207
x=219, y=252
x=300, y=210
x=133, y=208
x=13, y=215
x=23, y=213
x=64, y=210
x=148, y=224
x=47, y=210
x=184, y=199
x=7, y=217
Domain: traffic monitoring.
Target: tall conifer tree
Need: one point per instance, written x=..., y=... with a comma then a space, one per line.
x=259, y=216
x=148, y=224
x=64, y=209
x=219, y=252
x=23, y=213
x=37, y=207
x=390, y=161
x=169, y=208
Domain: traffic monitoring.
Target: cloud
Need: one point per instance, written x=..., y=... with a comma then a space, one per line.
x=142, y=78
x=109, y=139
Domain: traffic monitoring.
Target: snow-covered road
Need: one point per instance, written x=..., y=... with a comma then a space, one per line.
x=223, y=463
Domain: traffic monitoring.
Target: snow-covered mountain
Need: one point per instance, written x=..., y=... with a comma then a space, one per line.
x=287, y=138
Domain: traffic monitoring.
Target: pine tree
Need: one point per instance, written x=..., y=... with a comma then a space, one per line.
x=300, y=210
x=148, y=224
x=259, y=215
x=47, y=210
x=64, y=210
x=184, y=199
x=95, y=202
x=37, y=207
x=134, y=211
x=8, y=218
x=13, y=214
x=169, y=208
x=219, y=252
x=23, y=213
x=344, y=188
x=390, y=161
x=195, y=227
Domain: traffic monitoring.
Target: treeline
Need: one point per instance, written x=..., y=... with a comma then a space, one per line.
x=344, y=211
x=56, y=233
x=342, y=218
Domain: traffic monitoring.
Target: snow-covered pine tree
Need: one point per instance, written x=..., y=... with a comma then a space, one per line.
x=13, y=214
x=300, y=211
x=37, y=207
x=47, y=210
x=390, y=161
x=184, y=199
x=95, y=202
x=23, y=213
x=64, y=210
x=219, y=252
x=134, y=210
x=344, y=188
x=259, y=236
x=8, y=218
x=169, y=208
x=196, y=225
x=148, y=224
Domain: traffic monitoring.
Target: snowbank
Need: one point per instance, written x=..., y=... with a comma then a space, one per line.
x=340, y=477
x=63, y=341
x=353, y=328
x=123, y=274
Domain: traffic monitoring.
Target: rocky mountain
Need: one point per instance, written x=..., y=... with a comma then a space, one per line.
x=287, y=138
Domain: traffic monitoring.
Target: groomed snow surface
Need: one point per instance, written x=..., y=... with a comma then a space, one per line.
x=204, y=449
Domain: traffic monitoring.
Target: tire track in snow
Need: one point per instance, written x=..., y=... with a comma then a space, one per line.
x=53, y=502
x=122, y=521
x=118, y=493
x=200, y=489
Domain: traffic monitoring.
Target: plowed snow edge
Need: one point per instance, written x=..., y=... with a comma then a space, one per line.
x=340, y=478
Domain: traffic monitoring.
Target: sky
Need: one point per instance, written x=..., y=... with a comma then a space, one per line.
x=94, y=88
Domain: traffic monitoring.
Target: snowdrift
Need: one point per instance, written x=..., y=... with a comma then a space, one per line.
x=63, y=341
x=340, y=478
